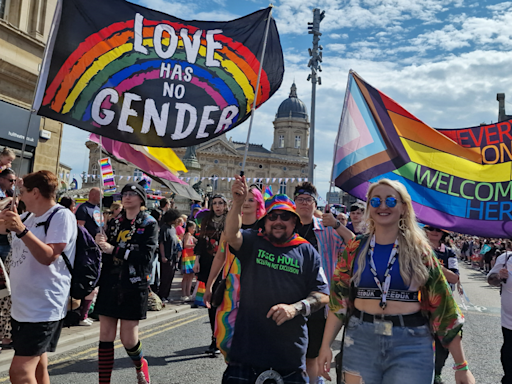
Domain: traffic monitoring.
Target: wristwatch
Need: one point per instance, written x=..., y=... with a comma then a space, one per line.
x=23, y=233
x=338, y=224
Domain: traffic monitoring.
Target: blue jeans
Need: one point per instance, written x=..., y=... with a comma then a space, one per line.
x=405, y=357
x=4, y=251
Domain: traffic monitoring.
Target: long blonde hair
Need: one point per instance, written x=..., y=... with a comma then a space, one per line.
x=412, y=241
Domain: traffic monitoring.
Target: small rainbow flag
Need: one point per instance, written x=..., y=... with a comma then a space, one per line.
x=200, y=294
x=267, y=194
x=107, y=175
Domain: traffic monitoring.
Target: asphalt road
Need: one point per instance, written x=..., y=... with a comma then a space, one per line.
x=175, y=348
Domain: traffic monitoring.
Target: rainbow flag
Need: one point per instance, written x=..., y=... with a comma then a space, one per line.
x=107, y=175
x=200, y=294
x=459, y=179
x=143, y=77
x=267, y=194
x=226, y=313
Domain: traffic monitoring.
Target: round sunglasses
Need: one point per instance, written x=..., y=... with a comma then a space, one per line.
x=375, y=202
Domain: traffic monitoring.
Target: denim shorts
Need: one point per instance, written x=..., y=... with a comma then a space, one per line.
x=405, y=357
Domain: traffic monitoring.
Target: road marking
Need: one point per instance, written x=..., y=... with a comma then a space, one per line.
x=65, y=362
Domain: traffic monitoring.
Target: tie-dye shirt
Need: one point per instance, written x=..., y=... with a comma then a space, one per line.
x=436, y=300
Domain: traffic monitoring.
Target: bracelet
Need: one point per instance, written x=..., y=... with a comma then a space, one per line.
x=307, y=307
x=461, y=367
x=23, y=233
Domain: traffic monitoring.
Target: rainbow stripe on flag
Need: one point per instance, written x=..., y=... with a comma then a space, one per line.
x=458, y=179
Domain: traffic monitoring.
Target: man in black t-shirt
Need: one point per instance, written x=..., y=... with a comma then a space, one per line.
x=88, y=214
x=282, y=282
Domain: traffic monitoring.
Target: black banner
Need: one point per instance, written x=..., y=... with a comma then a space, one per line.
x=143, y=77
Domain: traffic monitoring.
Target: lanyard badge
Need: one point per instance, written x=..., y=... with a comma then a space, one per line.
x=387, y=275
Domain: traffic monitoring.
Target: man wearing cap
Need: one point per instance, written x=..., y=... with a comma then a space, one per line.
x=329, y=237
x=449, y=265
x=129, y=247
x=282, y=282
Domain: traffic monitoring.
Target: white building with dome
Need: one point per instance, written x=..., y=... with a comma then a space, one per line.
x=283, y=166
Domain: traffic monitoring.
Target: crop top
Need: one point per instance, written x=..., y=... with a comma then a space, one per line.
x=398, y=290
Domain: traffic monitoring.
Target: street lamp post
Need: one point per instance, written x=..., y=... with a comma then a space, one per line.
x=316, y=58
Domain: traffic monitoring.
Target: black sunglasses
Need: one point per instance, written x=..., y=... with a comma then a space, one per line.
x=356, y=208
x=284, y=216
x=10, y=180
x=434, y=230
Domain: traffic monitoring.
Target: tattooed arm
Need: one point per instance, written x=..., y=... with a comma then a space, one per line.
x=281, y=313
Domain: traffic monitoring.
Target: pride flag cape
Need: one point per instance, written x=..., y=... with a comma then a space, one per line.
x=459, y=179
x=143, y=77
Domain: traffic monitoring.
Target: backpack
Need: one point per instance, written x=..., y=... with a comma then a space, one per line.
x=87, y=267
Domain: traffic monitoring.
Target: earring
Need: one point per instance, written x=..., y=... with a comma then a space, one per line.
x=402, y=225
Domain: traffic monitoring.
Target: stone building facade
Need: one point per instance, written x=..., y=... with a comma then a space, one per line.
x=24, y=30
x=283, y=166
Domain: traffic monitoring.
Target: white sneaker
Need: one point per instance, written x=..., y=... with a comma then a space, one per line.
x=185, y=298
x=90, y=321
x=85, y=322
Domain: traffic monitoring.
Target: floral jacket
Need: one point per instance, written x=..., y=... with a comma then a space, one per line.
x=436, y=300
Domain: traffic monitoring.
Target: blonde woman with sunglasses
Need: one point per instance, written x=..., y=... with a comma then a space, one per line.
x=392, y=288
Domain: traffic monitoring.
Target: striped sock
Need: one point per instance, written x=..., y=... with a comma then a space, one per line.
x=105, y=361
x=135, y=354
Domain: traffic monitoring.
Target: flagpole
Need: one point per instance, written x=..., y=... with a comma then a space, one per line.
x=242, y=172
x=101, y=187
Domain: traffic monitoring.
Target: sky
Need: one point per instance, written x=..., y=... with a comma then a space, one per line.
x=442, y=60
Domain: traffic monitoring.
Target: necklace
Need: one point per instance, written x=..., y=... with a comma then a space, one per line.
x=387, y=275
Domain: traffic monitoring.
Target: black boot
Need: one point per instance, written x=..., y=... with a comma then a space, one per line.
x=212, y=349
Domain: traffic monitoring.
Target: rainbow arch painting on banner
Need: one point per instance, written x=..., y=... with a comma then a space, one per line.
x=143, y=77
x=459, y=179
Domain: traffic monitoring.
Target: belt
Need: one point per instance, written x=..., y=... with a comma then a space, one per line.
x=412, y=320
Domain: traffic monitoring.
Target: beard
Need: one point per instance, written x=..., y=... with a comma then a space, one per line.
x=278, y=239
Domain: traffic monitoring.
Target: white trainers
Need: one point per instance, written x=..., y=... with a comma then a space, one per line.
x=185, y=298
x=85, y=323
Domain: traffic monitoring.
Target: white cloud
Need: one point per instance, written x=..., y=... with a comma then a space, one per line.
x=293, y=15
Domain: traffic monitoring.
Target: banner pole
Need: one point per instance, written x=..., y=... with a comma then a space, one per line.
x=102, y=220
x=242, y=172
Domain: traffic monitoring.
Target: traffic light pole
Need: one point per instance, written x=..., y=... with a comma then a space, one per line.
x=316, y=58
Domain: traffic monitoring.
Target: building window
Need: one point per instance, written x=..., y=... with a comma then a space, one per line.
x=94, y=170
x=137, y=174
x=281, y=141
x=215, y=182
x=282, y=186
x=3, y=8
x=259, y=183
x=297, y=141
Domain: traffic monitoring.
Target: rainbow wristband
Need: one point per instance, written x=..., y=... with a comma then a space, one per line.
x=461, y=367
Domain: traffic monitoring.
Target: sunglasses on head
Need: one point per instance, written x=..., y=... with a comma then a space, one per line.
x=375, y=202
x=356, y=208
x=284, y=216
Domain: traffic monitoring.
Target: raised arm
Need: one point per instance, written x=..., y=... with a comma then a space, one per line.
x=233, y=223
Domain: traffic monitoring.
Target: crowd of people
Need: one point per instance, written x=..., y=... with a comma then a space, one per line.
x=279, y=278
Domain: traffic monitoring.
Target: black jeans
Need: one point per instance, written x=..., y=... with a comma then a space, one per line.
x=441, y=356
x=506, y=355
